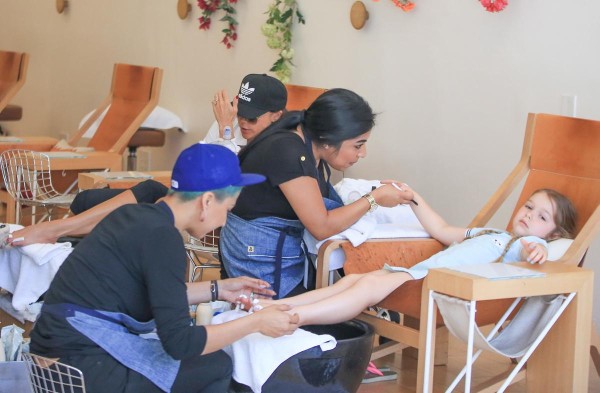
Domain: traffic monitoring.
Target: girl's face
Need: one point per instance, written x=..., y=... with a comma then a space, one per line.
x=535, y=217
x=349, y=153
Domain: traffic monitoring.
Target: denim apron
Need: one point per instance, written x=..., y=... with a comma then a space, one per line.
x=119, y=335
x=270, y=248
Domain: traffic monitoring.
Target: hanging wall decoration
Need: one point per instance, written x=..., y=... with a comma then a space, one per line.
x=209, y=7
x=494, y=5
x=278, y=30
x=404, y=5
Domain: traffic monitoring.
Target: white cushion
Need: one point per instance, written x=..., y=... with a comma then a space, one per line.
x=557, y=248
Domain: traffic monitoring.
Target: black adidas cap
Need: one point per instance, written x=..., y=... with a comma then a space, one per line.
x=260, y=93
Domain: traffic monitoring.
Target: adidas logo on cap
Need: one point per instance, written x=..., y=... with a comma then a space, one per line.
x=245, y=91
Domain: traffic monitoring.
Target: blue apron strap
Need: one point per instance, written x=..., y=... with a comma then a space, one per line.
x=278, y=263
x=279, y=258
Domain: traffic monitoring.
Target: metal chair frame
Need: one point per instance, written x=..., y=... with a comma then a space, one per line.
x=50, y=375
x=203, y=254
x=28, y=179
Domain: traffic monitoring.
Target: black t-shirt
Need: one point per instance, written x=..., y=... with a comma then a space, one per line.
x=280, y=155
x=133, y=262
x=148, y=191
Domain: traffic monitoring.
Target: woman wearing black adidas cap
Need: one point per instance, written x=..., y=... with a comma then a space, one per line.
x=263, y=235
x=261, y=101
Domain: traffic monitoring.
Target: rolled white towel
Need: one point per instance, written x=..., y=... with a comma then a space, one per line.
x=255, y=357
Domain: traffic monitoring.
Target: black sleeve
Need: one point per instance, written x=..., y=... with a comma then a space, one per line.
x=148, y=191
x=287, y=159
x=164, y=278
x=87, y=199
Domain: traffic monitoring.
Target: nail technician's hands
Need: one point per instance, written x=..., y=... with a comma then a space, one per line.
x=392, y=193
x=231, y=288
x=277, y=321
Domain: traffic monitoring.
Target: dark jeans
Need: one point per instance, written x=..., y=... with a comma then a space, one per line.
x=209, y=373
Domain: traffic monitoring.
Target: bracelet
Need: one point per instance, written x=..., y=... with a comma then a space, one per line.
x=372, y=203
x=214, y=290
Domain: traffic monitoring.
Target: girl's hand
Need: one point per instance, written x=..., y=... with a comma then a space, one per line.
x=392, y=194
x=230, y=289
x=534, y=252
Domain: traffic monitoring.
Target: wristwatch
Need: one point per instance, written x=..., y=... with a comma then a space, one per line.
x=371, y=201
x=227, y=134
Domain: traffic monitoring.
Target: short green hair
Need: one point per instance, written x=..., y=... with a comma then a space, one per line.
x=221, y=193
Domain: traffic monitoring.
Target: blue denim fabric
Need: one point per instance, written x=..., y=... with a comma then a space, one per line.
x=117, y=334
x=249, y=248
x=334, y=201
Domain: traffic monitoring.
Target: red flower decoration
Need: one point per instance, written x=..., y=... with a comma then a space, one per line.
x=208, y=7
x=404, y=5
x=204, y=23
x=494, y=5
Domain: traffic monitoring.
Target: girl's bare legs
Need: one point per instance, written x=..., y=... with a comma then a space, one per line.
x=81, y=224
x=321, y=293
x=368, y=290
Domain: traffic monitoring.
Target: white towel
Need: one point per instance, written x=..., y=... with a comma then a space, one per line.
x=352, y=189
x=383, y=223
x=160, y=118
x=26, y=272
x=255, y=357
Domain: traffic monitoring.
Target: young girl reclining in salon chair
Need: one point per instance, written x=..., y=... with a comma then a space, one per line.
x=546, y=216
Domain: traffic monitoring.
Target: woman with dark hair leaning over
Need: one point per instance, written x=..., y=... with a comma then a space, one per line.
x=263, y=235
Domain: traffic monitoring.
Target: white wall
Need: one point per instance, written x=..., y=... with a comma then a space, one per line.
x=452, y=83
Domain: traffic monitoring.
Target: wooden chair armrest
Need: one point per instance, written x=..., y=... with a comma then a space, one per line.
x=373, y=254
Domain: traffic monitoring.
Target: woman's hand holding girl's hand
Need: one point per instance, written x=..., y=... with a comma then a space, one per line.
x=276, y=321
x=534, y=252
x=392, y=193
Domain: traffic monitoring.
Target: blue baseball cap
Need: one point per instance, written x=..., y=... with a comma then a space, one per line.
x=205, y=167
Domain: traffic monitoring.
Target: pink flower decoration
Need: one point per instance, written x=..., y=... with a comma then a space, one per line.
x=494, y=5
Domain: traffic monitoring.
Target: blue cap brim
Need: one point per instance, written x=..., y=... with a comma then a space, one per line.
x=249, y=179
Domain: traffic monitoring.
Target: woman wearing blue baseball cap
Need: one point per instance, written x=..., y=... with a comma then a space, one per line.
x=263, y=235
x=128, y=278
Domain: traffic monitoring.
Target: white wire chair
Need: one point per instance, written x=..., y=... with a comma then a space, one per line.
x=517, y=340
x=51, y=376
x=28, y=180
x=203, y=254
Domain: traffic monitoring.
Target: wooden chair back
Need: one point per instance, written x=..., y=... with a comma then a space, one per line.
x=559, y=153
x=133, y=95
x=300, y=97
x=13, y=71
